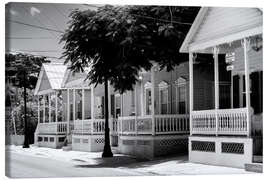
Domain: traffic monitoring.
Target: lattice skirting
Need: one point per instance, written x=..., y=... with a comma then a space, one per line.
x=150, y=147
x=89, y=143
x=170, y=146
x=52, y=141
x=225, y=151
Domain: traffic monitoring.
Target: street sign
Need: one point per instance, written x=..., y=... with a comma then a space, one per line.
x=229, y=67
x=230, y=57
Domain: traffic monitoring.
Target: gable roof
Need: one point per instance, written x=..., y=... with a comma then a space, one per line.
x=218, y=25
x=76, y=79
x=54, y=73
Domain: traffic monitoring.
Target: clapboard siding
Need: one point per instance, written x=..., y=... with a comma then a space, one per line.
x=45, y=83
x=221, y=21
x=255, y=60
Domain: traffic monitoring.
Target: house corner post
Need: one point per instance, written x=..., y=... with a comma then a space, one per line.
x=153, y=98
x=216, y=71
x=246, y=46
x=190, y=91
x=92, y=107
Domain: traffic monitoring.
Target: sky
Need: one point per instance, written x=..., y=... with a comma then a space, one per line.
x=28, y=39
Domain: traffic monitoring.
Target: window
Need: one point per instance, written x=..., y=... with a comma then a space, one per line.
x=163, y=97
x=181, y=90
x=181, y=96
x=78, y=107
x=148, y=101
x=117, y=105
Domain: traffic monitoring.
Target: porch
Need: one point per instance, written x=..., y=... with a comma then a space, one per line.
x=218, y=135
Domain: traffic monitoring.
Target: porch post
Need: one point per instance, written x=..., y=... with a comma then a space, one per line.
x=44, y=108
x=68, y=111
x=92, y=102
x=83, y=97
x=216, y=70
x=142, y=100
x=74, y=105
x=246, y=48
x=153, y=98
x=50, y=117
x=92, y=107
x=135, y=102
x=38, y=111
x=190, y=90
x=231, y=90
x=56, y=107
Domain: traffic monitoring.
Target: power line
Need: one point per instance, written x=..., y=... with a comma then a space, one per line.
x=29, y=37
x=164, y=20
x=39, y=22
x=35, y=26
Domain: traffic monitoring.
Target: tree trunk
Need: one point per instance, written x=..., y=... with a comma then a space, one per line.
x=107, y=152
x=26, y=141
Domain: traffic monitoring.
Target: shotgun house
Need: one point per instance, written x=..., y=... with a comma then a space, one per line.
x=222, y=135
x=52, y=126
x=157, y=122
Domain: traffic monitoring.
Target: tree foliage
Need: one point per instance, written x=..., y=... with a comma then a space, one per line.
x=118, y=41
x=17, y=65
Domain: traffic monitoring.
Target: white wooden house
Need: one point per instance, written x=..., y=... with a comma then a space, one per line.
x=227, y=136
x=134, y=128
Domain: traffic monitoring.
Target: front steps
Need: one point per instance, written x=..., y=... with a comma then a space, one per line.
x=254, y=167
x=67, y=148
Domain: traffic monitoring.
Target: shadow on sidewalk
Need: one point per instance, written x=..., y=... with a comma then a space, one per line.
x=132, y=162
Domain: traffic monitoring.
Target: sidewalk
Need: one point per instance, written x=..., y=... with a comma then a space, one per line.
x=173, y=165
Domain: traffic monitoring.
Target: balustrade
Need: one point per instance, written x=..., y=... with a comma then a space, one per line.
x=52, y=128
x=220, y=122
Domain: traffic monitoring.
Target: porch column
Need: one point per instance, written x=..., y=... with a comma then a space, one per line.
x=142, y=100
x=68, y=112
x=153, y=98
x=216, y=70
x=56, y=106
x=231, y=90
x=44, y=108
x=83, y=96
x=92, y=102
x=246, y=48
x=74, y=105
x=50, y=117
x=190, y=90
x=135, y=108
x=38, y=111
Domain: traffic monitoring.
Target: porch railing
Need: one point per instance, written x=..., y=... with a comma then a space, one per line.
x=164, y=124
x=52, y=128
x=89, y=126
x=220, y=122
